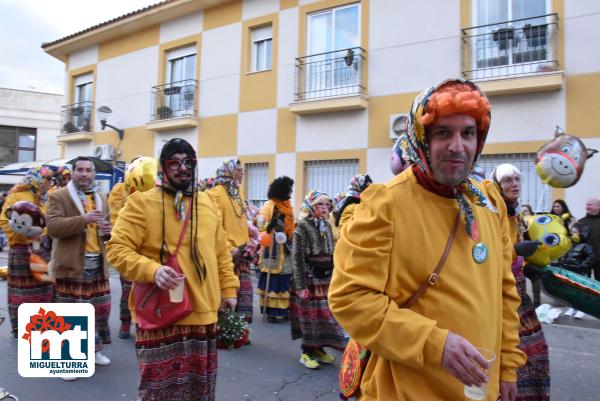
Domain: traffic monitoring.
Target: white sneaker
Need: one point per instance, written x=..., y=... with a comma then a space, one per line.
x=102, y=359
x=570, y=312
x=69, y=379
x=579, y=315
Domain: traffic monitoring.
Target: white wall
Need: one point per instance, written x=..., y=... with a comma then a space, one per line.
x=332, y=131
x=125, y=85
x=526, y=117
x=187, y=25
x=285, y=164
x=221, y=52
x=257, y=132
x=219, y=96
x=47, y=148
x=75, y=149
x=589, y=183
x=256, y=8
x=83, y=57
x=581, y=42
x=378, y=164
x=189, y=134
x=207, y=166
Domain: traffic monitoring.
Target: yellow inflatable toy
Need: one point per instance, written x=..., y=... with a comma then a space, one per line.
x=141, y=175
x=549, y=229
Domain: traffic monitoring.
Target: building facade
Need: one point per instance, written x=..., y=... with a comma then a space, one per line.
x=317, y=90
x=29, y=127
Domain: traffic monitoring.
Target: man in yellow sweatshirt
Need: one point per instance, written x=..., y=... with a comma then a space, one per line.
x=145, y=235
x=429, y=351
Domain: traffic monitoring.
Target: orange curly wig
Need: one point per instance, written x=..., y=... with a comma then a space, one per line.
x=458, y=98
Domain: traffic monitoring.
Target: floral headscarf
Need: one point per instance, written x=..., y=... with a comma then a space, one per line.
x=358, y=184
x=228, y=177
x=417, y=148
x=33, y=182
x=308, y=207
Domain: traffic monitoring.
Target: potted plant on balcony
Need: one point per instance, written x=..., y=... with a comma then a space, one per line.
x=535, y=34
x=502, y=36
x=69, y=128
x=164, y=112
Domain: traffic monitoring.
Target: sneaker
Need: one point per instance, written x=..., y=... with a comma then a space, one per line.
x=579, y=315
x=102, y=359
x=124, y=331
x=570, y=312
x=69, y=379
x=324, y=357
x=308, y=362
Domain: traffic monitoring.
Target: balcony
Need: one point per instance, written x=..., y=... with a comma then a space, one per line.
x=174, y=106
x=330, y=81
x=76, y=118
x=513, y=56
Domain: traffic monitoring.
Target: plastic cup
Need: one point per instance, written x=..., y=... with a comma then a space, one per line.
x=480, y=392
x=176, y=294
x=36, y=245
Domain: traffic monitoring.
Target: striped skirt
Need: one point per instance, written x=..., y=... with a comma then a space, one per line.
x=22, y=285
x=245, y=296
x=278, y=300
x=533, y=379
x=311, y=319
x=93, y=288
x=124, y=312
x=177, y=363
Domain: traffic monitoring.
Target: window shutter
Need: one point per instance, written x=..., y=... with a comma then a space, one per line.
x=257, y=183
x=330, y=176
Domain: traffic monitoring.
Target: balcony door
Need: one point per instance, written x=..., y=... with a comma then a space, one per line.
x=80, y=111
x=329, y=34
x=510, y=40
x=180, y=89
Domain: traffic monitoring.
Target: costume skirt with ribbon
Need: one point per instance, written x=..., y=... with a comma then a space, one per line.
x=177, y=363
x=533, y=379
x=22, y=285
x=92, y=288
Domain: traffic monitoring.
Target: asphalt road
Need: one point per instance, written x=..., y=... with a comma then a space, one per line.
x=268, y=369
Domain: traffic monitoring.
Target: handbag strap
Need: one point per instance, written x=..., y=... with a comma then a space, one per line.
x=434, y=277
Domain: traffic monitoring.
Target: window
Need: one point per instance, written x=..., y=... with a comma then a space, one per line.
x=332, y=70
x=262, y=44
x=83, y=88
x=533, y=191
x=257, y=183
x=329, y=176
x=180, y=90
x=76, y=117
x=17, y=144
x=511, y=37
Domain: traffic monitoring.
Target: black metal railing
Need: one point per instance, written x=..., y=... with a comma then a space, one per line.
x=76, y=117
x=175, y=99
x=332, y=74
x=518, y=47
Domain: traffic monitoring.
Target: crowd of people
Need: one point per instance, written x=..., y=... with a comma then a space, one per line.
x=365, y=264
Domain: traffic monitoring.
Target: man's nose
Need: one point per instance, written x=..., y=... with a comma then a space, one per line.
x=456, y=143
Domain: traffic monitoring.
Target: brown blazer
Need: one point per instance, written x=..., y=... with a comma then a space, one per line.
x=66, y=226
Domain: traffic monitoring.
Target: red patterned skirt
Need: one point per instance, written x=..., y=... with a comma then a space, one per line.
x=22, y=285
x=177, y=363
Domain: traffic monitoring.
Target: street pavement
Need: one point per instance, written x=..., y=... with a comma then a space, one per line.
x=268, y=369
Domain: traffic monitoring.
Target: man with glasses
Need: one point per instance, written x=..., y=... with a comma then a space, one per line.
x=78, y=222
x=145, y=235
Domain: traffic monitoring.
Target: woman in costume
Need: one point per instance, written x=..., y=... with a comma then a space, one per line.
x=344, y=209
x=312, y=258
x=533, y=379
x=226, y=195
x=23, y=287
x=559, y=208
x=276, y=220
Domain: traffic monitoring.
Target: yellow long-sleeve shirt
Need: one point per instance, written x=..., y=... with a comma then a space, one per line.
x=134, y=249
x=11, y=199
x=116, y=200
x=233, y=216
x=386, y=252
x=347, y=214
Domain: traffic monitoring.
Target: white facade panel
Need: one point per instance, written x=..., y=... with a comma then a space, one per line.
x=397, y=23
x=378, y=164
x=189, y=134
x=221, y=52
x=332, y=131
x=580, y=55
x=286, y=85
x=288, y=36
x=303, y=2
x=220, y=96
x=413, y=68
x=84, y=57
x=257, y=8
x=588, y=184
x=581, y=7
x=526, y=117
x=75, y=149
x=257, y=132
x=207, y=166
x=46, y=147
x=285, y=164
x=125, y=84
x=187, y=25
